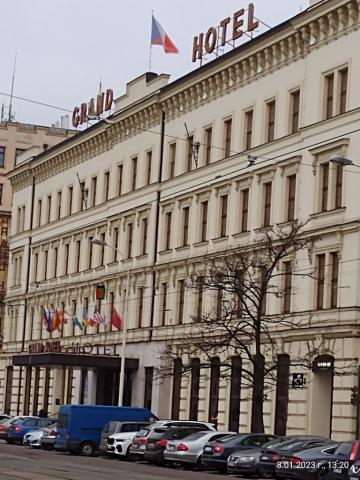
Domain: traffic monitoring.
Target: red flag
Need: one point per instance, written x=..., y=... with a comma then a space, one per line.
x=116, y=320
x=160, y=37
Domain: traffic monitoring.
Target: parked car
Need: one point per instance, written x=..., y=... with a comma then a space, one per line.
x=79, y=426
x=354, y=471
x=159, y=438
x=138, y=445
x=344, y=457
x=48, y=439
x=271, y=456
x=188, y=452
x=246, y=462
x=5, y=425
x=112, y=428
x=309, y=464
x=215, y=454
x=18, y=429
x=33, y=438
x=4, y=416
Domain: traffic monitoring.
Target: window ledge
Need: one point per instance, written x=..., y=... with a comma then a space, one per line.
x=144, y=255
x=183, y=248
x=287, y=222
x=111, y=264
x=220, y=239
x=199, y=244
x=241, y=234
x=164, y=252
x=327, y=212
x=263, y=228
x=99, y=268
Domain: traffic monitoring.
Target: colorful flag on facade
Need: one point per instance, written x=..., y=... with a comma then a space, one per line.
x=76, y=322
x=160, y=37
x=49, y=320
x=65, y=317
x=85, y=317
x=56, y=324
x=96, y=318
x=116, y=320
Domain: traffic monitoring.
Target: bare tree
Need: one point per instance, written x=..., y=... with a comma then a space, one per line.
x=242, y=282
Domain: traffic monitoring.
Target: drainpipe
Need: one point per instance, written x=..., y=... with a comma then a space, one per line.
x=157, y=216
x=27, y=281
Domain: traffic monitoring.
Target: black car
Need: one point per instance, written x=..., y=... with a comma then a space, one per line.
x=272, y=456
x=215, y=454
x=246, y=462
x=159, y=437
x=354, y=471
x=309, y=464
x=344, y=457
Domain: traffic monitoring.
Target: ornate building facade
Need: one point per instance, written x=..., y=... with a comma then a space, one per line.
x=262, y=123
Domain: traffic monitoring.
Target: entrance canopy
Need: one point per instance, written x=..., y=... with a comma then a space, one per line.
x=73, y=360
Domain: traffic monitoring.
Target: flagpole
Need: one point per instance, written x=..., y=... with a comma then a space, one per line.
x=150, y=56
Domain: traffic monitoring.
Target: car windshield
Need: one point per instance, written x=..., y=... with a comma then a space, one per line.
x=110, y=427
x=275, y=442
x=227, y=438
x=294, y=445
x=143, y=433
x=344, y=449
x=196, y=436
x=4, y=420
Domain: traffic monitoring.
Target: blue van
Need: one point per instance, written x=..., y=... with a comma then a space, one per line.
x=79, y=427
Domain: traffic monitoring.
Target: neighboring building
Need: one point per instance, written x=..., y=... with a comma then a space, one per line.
x=289, y=98
x=15, y=141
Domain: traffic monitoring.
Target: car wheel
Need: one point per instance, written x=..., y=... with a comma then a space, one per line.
x=87, y=449
x=127, y=454
x=9, y=441
x=199, y=464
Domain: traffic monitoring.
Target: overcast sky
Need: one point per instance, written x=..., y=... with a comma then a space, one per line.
x=65, y=46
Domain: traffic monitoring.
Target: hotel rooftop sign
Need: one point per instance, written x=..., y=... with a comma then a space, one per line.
x=229, y=29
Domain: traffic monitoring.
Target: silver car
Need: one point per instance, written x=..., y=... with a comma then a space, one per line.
x=188, y=452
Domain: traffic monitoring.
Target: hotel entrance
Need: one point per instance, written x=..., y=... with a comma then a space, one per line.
x=322, y=396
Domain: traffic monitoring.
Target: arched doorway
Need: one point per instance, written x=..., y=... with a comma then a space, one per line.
x=322, y=396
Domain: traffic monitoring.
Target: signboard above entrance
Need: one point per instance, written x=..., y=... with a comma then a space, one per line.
x=219, y=36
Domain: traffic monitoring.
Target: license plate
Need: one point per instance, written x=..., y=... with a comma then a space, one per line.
x=135, y=445
x=171, y=448
x=264, y=458
x=111, y=449
x=208, y=449
x=353, y=478
x=231, y=464
x=337, y=470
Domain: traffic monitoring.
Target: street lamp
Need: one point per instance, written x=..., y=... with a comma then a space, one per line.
x=341, y=160
x=102, y=243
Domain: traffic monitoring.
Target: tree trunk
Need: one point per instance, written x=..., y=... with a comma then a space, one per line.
x=282, y=394
x=257, y=414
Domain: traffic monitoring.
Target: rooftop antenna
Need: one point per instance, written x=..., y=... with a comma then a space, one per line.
x=12, y=89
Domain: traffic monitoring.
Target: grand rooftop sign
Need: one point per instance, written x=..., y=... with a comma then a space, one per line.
x=219, y=36
x=95, y=108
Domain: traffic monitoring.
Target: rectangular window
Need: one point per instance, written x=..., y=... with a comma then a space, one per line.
x=204, y=221
x=36, y=263
x=48, y=213
x=267, y=204
x=93, y=191
x=70, y=200
x=83, y=195
x=338, y=186
x=102, y=252
x=39, y=213
x=270, y=120
x=343, y=89
x=148, y=167
x=334, y=279
x=1, y=192
x=168, y=218
x=120, y=179
x=295, y=111
x=291, y=181
x=181, y=290
x=46, y=258
x=56, y=255
x=2, y=156
x=115, y=244
x=144, y=235
x=133, y=173
x=185, y=239
x=141, y=307
x=58, y=209
x=77, y=255
x=172, y=158
x=324, y=186
x=208, y=141
x=329, y=95
x=244, y=210
x=106, y=186
x=223, y=215
x=90, y=250
x=18, y=218
x=320, y=281
x=249, y=118
x=18, y=151
x=287, y=287
x=189, y=153
x=67, y=250
x=219, y=303
x=200, y=297
x=227, y=137
x=164, y=304
x=129, y=240
x=22, y=226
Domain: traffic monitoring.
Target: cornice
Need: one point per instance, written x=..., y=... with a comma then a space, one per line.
x=304, y=37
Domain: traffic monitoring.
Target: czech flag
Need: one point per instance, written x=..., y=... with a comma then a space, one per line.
x=160, y=37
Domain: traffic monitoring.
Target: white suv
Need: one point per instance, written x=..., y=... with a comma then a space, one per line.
x=119, y=444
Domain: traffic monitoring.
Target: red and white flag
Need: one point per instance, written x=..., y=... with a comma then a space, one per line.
x=116, y=320
x=96, y=318
x=160, y=37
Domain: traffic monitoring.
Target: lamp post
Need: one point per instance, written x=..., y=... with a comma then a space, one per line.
x=341, y=160
x=102, y=243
